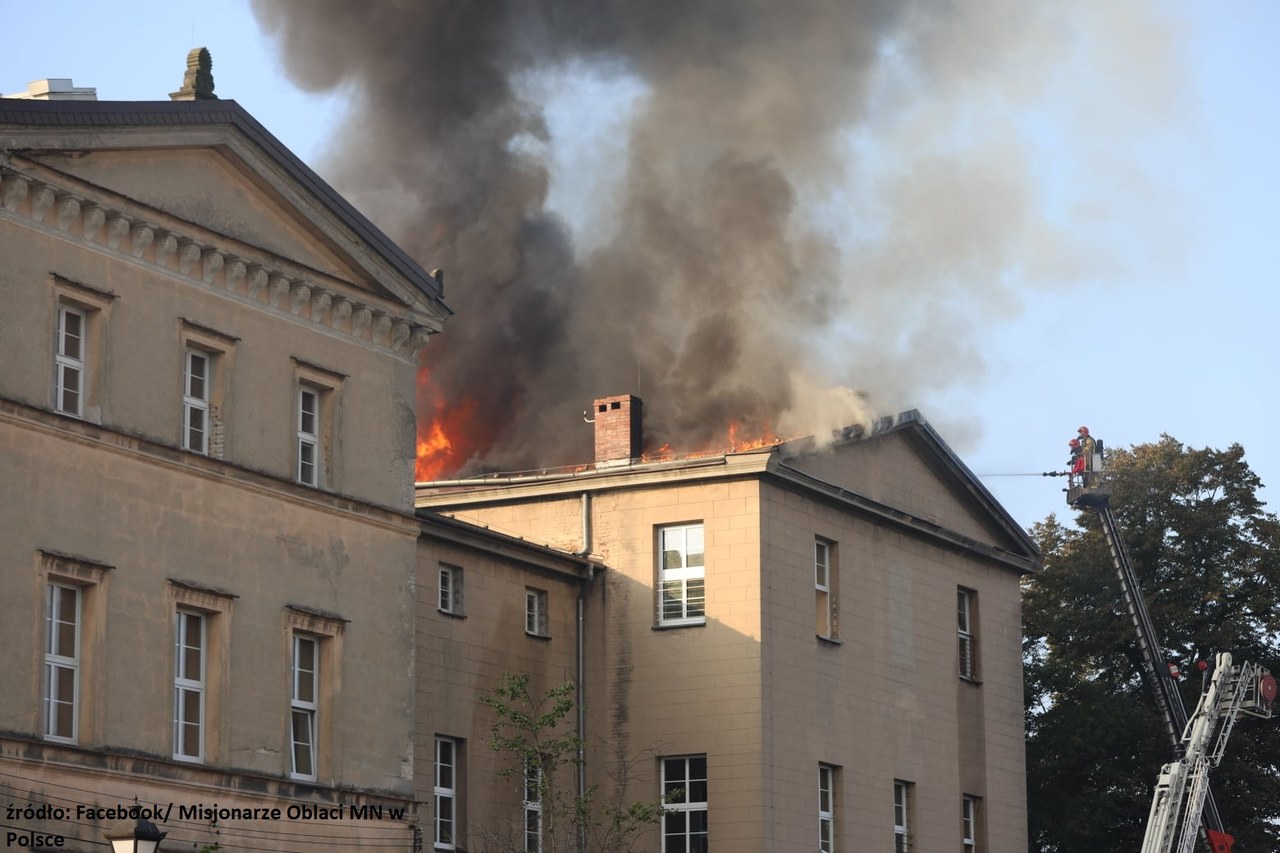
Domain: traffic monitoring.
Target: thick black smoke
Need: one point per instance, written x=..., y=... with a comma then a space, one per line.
x=723, y=292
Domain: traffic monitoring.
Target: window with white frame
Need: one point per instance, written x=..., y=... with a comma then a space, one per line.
x=532, y=808
x=304, y=705
x=901, y=817
x=446, y=793
x=535, y=612
x=309, y=436
x=965, y=633
x=190, y=645
x=824, y=583
x=197, y=381
x=450, y=590
x=826, y=808
x=969, y=823
x=69, y=361
x=63, y=619
x=684, y=792
x=681, y=575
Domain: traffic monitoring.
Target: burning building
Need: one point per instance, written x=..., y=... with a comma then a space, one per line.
x=820, y=645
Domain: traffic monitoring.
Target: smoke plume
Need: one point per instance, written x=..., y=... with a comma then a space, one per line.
x=809, y=210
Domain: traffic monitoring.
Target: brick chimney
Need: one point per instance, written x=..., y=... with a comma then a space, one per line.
x=618, y=434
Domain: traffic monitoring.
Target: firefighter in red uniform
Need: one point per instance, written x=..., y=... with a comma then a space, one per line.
x=1076, y=463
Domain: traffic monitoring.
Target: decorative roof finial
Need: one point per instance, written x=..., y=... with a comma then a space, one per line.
x=197, y=83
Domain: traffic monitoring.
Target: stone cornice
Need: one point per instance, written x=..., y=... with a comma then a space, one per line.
x=141, y=236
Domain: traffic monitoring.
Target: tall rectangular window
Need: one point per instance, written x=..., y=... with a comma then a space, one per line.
x=533, y=808
x=63, y=617
x=901, y=817
x=684, y=791
x=824, y=584
x=450, y=590
x=446, y=793
x=189, y=686
x=681, y=575
x=197, y=378
x=535, y=612
x=965, y=634
x=826, y=809
x=969, y=823
x=308, y=436
x=303, y=706
x=69, y=361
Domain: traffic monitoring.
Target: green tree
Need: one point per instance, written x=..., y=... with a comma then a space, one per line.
x=533, y=734
x=1207, y=555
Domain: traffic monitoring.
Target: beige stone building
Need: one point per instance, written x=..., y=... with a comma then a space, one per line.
x=819, y=647
x=207, y=544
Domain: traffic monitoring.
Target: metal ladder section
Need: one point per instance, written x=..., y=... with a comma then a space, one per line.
x=1155, y=667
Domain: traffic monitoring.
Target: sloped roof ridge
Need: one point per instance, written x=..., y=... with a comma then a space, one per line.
x=213, y=112
x=913, y=420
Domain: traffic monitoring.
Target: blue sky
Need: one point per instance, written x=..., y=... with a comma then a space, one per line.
x=1174, y=331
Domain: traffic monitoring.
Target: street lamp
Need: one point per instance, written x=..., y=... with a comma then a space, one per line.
x=142, y=837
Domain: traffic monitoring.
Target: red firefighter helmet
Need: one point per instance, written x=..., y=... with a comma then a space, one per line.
x=1083, y=431
x=1075, y=442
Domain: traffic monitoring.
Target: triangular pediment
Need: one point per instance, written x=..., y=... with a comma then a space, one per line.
x=206, y=187
x=909, y=469
x=210, y=164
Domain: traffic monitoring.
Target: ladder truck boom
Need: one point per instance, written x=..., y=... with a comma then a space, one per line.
x=1090, y=494
x=1183, y=803
x=1183, y=786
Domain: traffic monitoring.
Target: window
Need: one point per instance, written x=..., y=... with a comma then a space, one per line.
x=303, y=706
x=207, y=356
x=195, y=401
x=681, y=576
x=824, y=583
x=532, y=808
x=446, y=793
x=71, y=618
x=315, y=650
x=63, y=620
x=69, y=362
x=189, y=686
x=826, y=809
x=450, y=598
x=201, y=619
x=969, y=823
x=967, y=643
x=78, y=316
x=535, y=612
x=308, y=436
x=314, y=406
x=901, y=817
x=684, y=790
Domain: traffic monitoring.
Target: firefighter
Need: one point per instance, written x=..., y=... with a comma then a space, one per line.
x=1076, y=463
x=1087, y=447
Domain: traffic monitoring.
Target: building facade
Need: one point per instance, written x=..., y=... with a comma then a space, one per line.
x=814, y=647
x=224, y=600
x=207, y=548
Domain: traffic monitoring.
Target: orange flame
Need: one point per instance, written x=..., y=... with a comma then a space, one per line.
x=447, y=436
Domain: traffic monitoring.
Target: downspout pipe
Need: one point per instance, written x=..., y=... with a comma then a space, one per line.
x=580, y=664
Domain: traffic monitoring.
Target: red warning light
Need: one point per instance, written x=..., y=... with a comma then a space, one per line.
x=1202, y=665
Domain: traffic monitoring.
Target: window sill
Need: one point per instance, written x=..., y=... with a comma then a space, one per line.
x=534, y=636
x=830, y=641
x=671, y=626
x=451, y=613
x=969, y=679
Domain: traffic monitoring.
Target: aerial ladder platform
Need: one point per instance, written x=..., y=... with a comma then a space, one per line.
x=1183, y=799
